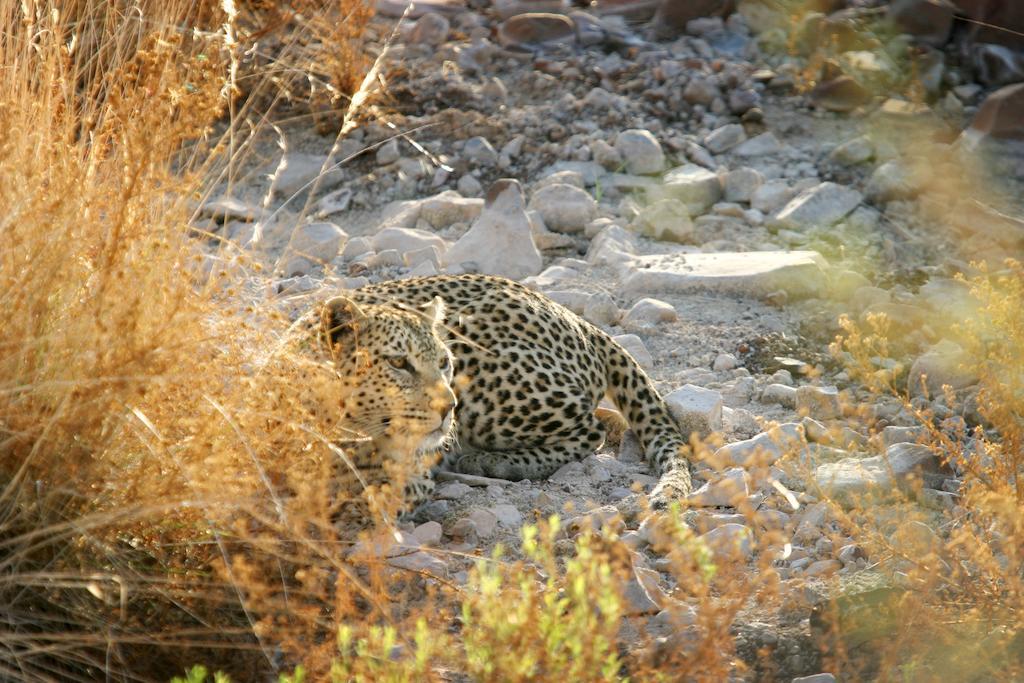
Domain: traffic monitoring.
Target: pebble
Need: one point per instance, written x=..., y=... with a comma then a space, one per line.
x=469, y=186
x=724, y=362
x=388, y=153
x=427, y=534
x=640, y=152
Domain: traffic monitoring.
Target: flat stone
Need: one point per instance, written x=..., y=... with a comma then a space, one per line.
x=695, y=409
x=453, y=490
x=535, y=29
x=820, y=206
x=507, y=515
x=727, y=490
x=769, y=446
x=798, y=273
x=780, y=394
x=300, y=171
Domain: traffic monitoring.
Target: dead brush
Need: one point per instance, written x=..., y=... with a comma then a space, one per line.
x=956, y=614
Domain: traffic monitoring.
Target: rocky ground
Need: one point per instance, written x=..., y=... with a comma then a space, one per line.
x=712, y=201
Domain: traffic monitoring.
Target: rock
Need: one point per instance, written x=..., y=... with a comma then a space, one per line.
x=768, y=446
x=823, y=568
x=725, y=138
x=850, y=480
x=566, y=177
x=779, y=393
x=892, y=180
x=225, y=209
x=997, y=65
x=510, y=8
x=310, y=245
x=894, y=434
x=821, y=403
x=507, y=515
x=771, y=196
x=613, y=245
x=820, y=206
x=798, y=273
x=388, y=153
x=397, y=8
x=469, y=186
x=406, y=240
x=480, y=151
x=564, y=208
x=649, y=313
x=427, y=534
x=695, y=410
x=945, y=363
x=726, y=490
x=742, y=183
x=672, y=16
x=667, y=220
x=535, y=29
x=842, y=94
x=430, y=29
x=606, y=155
x=700, y=91
x=640, y=151
x=853, y=152
x=484, y=521
x=762, y=145
x=1000, y=117
x=636, y=348
x=641, y=594
x=729, y=540
x=816, y=678
x=694, y=186
x=600, y=309
x=724, y=362
x=929, y=21
x=500, y=241
x=995, y=21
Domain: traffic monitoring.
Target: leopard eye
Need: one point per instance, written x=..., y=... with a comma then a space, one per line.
x=400, y=363
x=446, y=363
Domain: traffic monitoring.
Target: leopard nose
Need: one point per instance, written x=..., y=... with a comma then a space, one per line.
x=444, y=401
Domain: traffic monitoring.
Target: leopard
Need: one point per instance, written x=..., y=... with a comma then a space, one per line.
x=498, y=379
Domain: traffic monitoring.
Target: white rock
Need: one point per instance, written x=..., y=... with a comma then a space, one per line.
x=725, y=138
x=649, y=313
x=769, y=446
x=851, y=480
x=224, y=209
x=424, y=255
x=383, y=259
x=820, y=206
x=453, y=490
x=892, y=180
x=815, y=678
x=853, y=152
x=693, y=185
x=821, y=403
x=763, y=144
x=723, y=362
x=665, y=219
x=572, y=299
x=601, y=309
x=945, y=363
x=300, y=171
x=695, y=409
x=447, y=208
x=641, y=593
x=484, y=520
x=311, y=244
x=779, y=393
x=772, y=196
x=798, y=273
x=726, y=490
x=613, y=245
x=640, y=151
x=405, y=240
x=356, y=246
x=500, y=241
x=565, y=208
x=636, y=348
x=566, y=177
x=741, y=184
x=729, y=540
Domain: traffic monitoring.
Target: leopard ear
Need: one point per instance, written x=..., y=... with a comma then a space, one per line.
x=434, y=311
x=339, y=317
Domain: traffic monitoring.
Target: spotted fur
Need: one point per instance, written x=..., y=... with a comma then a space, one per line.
x=528, y=375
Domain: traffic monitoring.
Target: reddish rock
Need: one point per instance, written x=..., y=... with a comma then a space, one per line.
x=673, y=15
x=840, y=94
x=930, y=21
x=1003, y=19
x=536, y=29
x=1001, y=115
